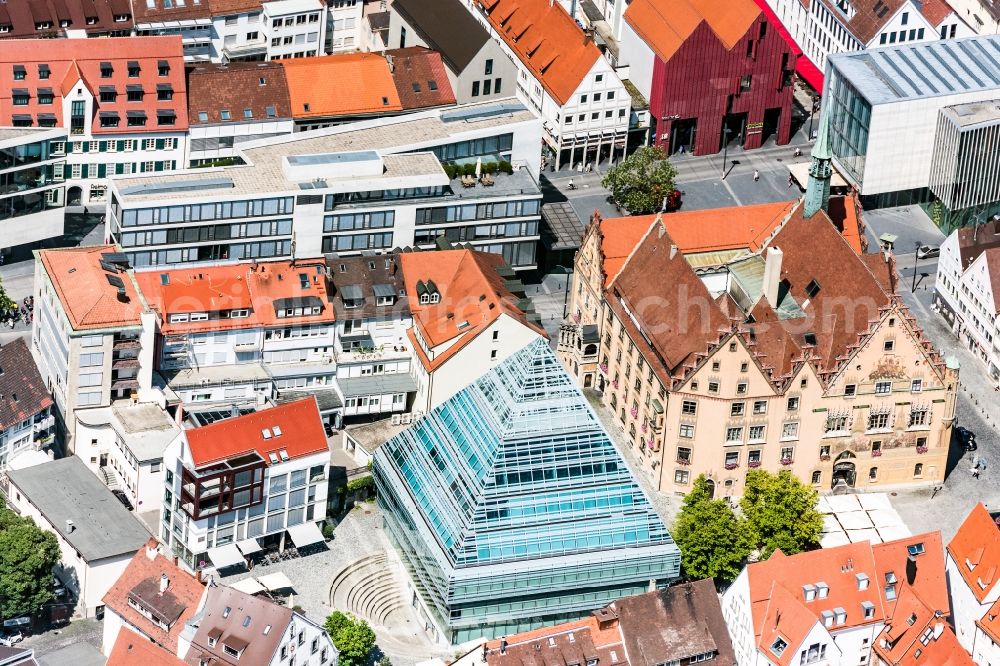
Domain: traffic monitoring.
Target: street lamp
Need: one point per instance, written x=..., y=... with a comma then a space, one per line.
x=725, y=150
x=916, y=251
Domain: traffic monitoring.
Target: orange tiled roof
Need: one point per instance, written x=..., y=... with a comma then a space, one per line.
x=255, y=287
x=587, y=634
x=347, y=84
x=666, y=24
x=915, y=635
x=131, y=649
x=299, y=433
x=183, y=592
x=546, y=40
x=927, y=569
x=73, y=60
x=89, y=300
x=977, y=542
x=471, y=291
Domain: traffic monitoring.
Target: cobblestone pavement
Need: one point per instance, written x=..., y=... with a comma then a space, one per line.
x=78, y=643
x=978, y=404
x=358, y=534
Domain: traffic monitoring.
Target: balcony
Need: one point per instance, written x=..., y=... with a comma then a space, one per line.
x=125, y=344
x=124, y=385
x=124, y=363
x=245, y=50
x=374, y=353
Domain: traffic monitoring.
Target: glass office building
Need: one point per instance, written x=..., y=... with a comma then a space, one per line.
x=511, y=508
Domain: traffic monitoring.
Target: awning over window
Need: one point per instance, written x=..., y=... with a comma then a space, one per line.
x=305, y=534
x=226, y=556
x=133, y=87
x=164, y=86
x=249, y=546
x=135, y=114
x=249, y=586
x=657, y=407
x=108, y=114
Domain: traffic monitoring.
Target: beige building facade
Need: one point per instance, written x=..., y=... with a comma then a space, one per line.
x=724, y=342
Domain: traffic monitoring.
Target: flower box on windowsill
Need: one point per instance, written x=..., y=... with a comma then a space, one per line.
x=753, y=464
x=681, y=461
x=876, y=453
x=614, y=383
x=732, y=465
x=824, y=458
x=603, y=368
x=921, y=449
x=577, y=317
x=634, y=413
x=786, y=461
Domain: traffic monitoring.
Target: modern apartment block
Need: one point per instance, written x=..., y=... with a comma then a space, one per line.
x=93, y=337
x=769, y=339
x=242, y=483
x=372, y=185
x=967, y=290
x=564, y=77
x=32, y=193
x=25, y=405
x=123, y=106
x=511, y=508
x=965, y=166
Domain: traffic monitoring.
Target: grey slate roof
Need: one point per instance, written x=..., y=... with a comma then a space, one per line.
x=447, y=27
x=922, y=69
x=377, y=385
x=64, y=490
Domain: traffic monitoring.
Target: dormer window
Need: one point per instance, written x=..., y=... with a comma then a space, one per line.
x=435, y=298
x=232, y=651
x=43, y=25
x=121, y=18
x=425, y=299
x=778, y=646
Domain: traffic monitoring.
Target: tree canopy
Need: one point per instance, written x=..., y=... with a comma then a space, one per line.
x=351, y=636
x=642, y=180
x=712, y=541
x=27, y=557
x=777, y=511
x=6, y=302
x=780, y=512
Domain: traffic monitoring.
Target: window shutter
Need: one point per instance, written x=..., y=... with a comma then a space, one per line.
x=102, y=146
x=84, y=169
x=159, y=144
x=102, y=170
x=67, y=171
x=158, y=166
x=119, y=168
x=86, y=146
x=121, y=145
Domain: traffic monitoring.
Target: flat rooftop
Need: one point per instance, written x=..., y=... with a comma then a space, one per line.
x=146, y=428
x=389, y=137
x=973, y=113
x=922, y=70
x=65, y=490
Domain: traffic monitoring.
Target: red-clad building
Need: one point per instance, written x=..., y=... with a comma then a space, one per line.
x=711, y=71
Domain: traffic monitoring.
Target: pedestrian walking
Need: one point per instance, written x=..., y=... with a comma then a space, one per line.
x=756, y=175
x=975, y=472
x=790, y=180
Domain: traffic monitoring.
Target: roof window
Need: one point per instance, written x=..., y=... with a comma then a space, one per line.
x=266, y=433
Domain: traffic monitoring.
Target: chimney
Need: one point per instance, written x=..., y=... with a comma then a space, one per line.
x=772, y=275
x=164, y=583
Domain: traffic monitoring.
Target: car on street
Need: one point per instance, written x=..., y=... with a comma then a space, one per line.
x=123, y=498
x=966, y=438
x=928, y=252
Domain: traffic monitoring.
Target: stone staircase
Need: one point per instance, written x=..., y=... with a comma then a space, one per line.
x=367, y=588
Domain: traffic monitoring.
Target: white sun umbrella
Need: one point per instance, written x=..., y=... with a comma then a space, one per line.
x=479, y=167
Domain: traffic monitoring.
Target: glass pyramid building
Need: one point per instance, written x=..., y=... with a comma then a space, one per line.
x=511, y=508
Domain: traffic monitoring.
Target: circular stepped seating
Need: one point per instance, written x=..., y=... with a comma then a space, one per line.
x=367, y=588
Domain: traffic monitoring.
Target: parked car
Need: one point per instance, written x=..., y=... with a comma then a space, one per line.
x=11, y=639
x=966, y=438
x=123, y=498
x=928, y=252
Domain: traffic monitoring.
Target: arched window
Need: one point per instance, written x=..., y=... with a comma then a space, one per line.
x=817, y=476
x=873, y=474
x=918, y=470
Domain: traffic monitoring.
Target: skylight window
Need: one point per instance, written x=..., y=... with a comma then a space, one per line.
x=915, y=549
x=266, y=433
x=225, y=115
x=276, y=430
x=778, y=646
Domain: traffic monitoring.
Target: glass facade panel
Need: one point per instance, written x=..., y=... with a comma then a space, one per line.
x=509, y=504
x=850, y=117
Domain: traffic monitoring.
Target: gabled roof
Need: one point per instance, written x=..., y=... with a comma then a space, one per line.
x=472, y=296
x=130, y=648
x=551, y=511
x=92, y=16
x=88, y=298
x=977, y=543
x=353, y=84
x=420, y=77
x=293, y=430
x=576, y=642
x=235, y=87
x=77, y=60
x=924, y=572
x=546, y=40
x=141, y=581
x=869, y=18
x=666, y=24
x=253, y=625
x=22, y=389
x=915, y=634
x=973, y=241
x=446, y=26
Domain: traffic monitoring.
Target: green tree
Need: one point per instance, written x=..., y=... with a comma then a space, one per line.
x=27, y=557
x=713, y=542
x=642, y=180
x=6, y=302
x=351, y=636
x=780, y=512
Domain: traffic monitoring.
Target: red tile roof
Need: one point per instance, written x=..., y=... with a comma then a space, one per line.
x=471, y=292
x=257, y=287
x=354, y=84
x=236, y=87
x=73, y=60
x=89, y=300
x=22, y=389
x=916, y=635
x=567, y=643
x=131, y=649
x=420, y=77
x=666, y=24
x=294, y=427
x=923, y=573
x=141, y=581
x=977, y=543
x=546, y=40
x=93, y=16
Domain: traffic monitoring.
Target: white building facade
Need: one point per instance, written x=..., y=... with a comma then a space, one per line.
x=32, y=191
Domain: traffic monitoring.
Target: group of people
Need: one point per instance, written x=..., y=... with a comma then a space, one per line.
x=23, y=313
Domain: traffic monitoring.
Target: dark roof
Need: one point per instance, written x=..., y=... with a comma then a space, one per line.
x=235, y=87
x=175, y=12
x=448, y=27
x=379, y=21
x=93, y=16
x=674, y=624
x=22, y=389
x=358, y=272
x=263, y=613
x=420, y=77
x=973, y=241
x=297, y=302
x=870, y=16
x=15, y=656
x=562, y=228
